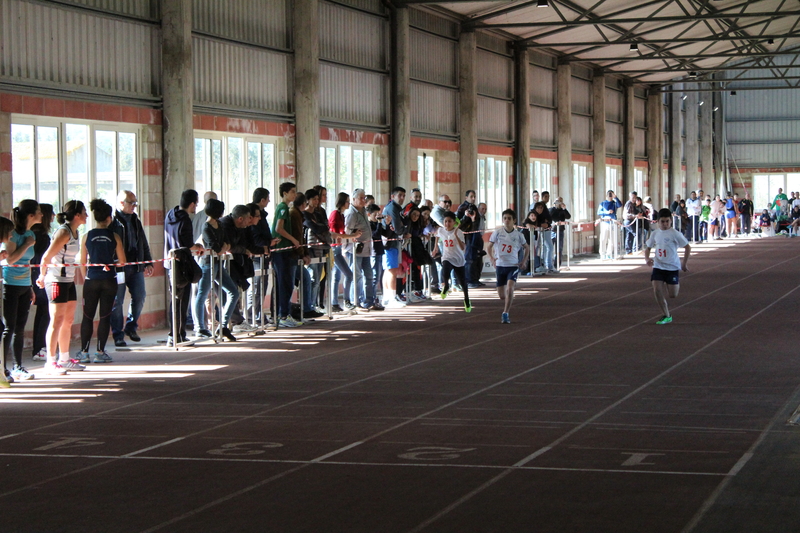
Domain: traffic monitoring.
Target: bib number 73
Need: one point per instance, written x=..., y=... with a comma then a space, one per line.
x=506, y=248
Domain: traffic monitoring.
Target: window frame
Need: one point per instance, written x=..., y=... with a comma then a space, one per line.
x=369, y=185
x=427, y=184
x=580, y=191
x=538, y=183
x=494, y=218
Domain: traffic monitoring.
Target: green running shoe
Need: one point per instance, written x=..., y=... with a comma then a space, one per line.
x=665, y=320
x=467, y=308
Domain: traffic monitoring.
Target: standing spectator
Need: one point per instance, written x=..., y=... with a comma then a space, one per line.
x=336, y=224
x=17, y=294
x=630, y=214
x=319, y=244
x=559, y=214
x=178, y=234
x=199, y=219
x=473, y=255
x=379, y=231
x=416, y=200
x=59, y=283
x=732, y=215
x=705, y=218
x=359, y=252
x=299, y=206
x=746, y=210
x=42, y=318
x=236, y=226
x=607, y=219
x=469, y=199
x=392, y=257
x=693, y=211
x=675, y=203
x=103, y=246
x=284, y=261
x=716, y=217
x=440, y=209
x=535, y=199
x=215, y=238
x=261, y=237
x=542, y=226
x=128, y=227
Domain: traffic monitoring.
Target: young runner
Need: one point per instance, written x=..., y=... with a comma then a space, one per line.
x=453, y=259
x=666, y=240
x=504, y=246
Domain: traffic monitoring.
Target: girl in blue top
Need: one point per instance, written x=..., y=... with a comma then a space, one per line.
x=18, y=294
x=6, y=229
x=101, y=246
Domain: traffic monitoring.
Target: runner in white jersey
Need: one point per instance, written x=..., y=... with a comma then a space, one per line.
x=504, y=247
x=453, y=246
x=665, y=242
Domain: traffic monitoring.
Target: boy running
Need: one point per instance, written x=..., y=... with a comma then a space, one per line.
x=666, y=240
x=504, y=246
x=453, y=260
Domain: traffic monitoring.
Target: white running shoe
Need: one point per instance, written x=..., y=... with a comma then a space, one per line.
x=54, y=369
x=244, y=328
x=72, y=365
x=19, y=373
x=41, y=356
x=393, y=304
x=289, y=322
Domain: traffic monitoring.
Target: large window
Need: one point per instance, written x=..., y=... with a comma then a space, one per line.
x=345, y=167
x=54, y=162
x=426, y=176
x=612, y=179
x=541, y=178
x=580, y=186
x=234, y=166
x=493, y=188
x=765, y=187
x=638, y=182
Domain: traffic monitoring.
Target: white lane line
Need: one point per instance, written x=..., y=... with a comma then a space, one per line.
x=305, y=463
x=336, y=452
x=166, y=443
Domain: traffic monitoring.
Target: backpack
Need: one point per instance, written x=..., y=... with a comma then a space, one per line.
x=187, y=270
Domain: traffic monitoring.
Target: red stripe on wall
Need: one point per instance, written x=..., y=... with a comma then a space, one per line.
x=5, y=161
x=10, y=103
x=286, y=172
x=641, y=164
x=490, y=149
x=382, y=174
x=415, y=176
x=353, y=136
x=424, y=143
x=152, y=167
x=764, y=169
x=543, y=154
x=153, y=217
x=613, y=161
x=56, y=107
x=583, y=158
x=447, y=177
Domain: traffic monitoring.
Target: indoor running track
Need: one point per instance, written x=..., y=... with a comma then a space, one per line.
x=580, y=416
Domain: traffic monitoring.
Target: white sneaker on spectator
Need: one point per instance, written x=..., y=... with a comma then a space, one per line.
x=244, y=328
x=289, y=322
x=393, y=304
x=72, y=365
x=413, y=298
x=41, y=356
x=54, y=369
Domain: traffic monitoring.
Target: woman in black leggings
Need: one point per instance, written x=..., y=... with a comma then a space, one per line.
x=102, y=246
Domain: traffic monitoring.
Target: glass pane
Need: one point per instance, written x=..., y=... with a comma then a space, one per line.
x=22, y=157
x=127, y=162
x=322, y=165
x=358, y=169
x=106, y=165
x=269, y=168
x=345, y=169
x=202, y=165
x=216, y=168
x=47, y=165
x=234, y=181
x=761, y=190
x=368, y=177
x=253, y=169
x=792, y=184
x=77, y=163
x=330, y=174
x=428, y=193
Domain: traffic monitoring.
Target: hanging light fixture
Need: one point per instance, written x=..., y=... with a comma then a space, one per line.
x=634, y=47
x=684, y=97
x=716, y=109
x=733, y=93
x=693, y=74
x=701, y=102
x=542, y=3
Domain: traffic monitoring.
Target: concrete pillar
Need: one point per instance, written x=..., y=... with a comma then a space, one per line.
x=468, y=110
x=400, y=135
x=675, y=142
x=692, y=148
x=6, y=181
x=178, y=98
x=655, y=147
x=563, y=186
x=629, y=140
x=721, y=183
x=522, y=146
x=305, y=30
x=707, y=144
x=599, y=140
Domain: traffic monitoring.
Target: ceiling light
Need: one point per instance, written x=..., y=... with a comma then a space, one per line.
x=684, y=97
x=701, y=102
x=716, y=109
x=770, y=41
x=634, y=47
x=692, y=74
x=733, y=93
x=542, y=3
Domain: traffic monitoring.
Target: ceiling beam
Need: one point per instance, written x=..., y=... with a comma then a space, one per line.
x=693, y=57
x=647, y=40
x=725, y=89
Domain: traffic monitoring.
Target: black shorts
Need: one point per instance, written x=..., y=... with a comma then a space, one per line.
x=61, y=293
x=670, y=277
x=506, y=274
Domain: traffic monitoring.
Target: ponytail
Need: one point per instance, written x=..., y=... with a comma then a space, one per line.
x=21, y=213
x=71, y=208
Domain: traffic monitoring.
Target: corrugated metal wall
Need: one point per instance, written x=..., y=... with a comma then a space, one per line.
x=431, y=23
x=542, y=99
x=248, y=21
x=434, y=76
x=581, y=90
x=58, y=48
x=495, y=72
x=755, y=155
x=373, y=6
x=640, y=123
x=354, y=77
x=615, y=111
x=145, y=9
x=241, y=77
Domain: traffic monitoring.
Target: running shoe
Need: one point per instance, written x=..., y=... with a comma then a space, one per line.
x=468, y=308
x=413, y=298
x=665, y=320
x=349, y=305
x=504, y=319
x=225, y=332
x=41, y=356
x=82, y=357
x=289, y=322
x=376, y=307
x=444, y=294
x=4, y=383
x=72, y=365
x=336, y=309
x=203, y=333
x=20, y=374
x=102, y=357
x=54, y=369
x=244, y=328
x=393, y=304
x=132, y=335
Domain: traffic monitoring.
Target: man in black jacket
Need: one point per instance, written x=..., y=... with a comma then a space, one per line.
x=178, y=234
x=261, y=237
x=127, y=225
x=237, y=234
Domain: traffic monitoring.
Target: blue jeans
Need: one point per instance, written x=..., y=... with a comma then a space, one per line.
x=204, y=287
x=342, y=269
x=284, y=264
x=315, y=270
x=308, y=286
x=363, y=281
x=254, y=293
x=134, y=282
x=546, y=236
x=377, y=274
